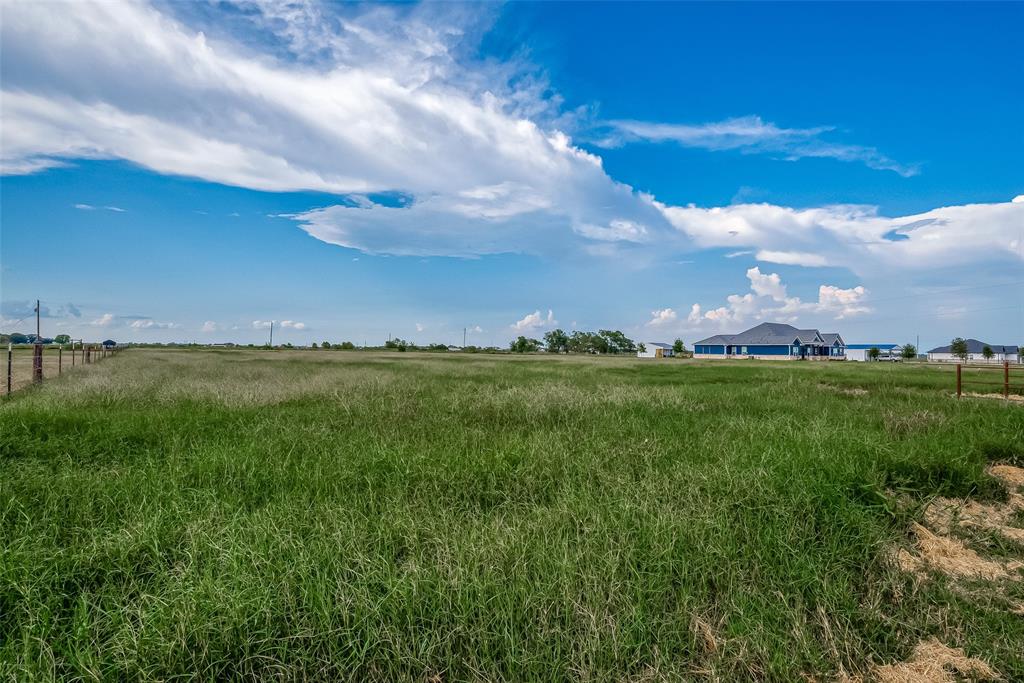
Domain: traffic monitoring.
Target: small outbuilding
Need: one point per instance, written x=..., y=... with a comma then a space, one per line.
x=976, y=352
x=861, y=352
x=654, y=350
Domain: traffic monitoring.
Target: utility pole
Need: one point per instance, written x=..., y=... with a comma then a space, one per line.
x=463, y=337
x=37, y=351
x=271, y=334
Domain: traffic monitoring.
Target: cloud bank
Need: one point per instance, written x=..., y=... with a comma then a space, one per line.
x=430, y=152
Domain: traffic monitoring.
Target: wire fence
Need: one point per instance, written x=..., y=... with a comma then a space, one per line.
x=1005, y=378
x=30, y=364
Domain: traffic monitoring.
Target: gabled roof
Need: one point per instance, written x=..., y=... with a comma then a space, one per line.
x=717, y=340
x=975, y=346
x=880, y=347
x=831, y=338
x=767, y=334
x=660, y=345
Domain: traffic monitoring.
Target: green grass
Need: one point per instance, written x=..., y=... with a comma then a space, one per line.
x=409, y=517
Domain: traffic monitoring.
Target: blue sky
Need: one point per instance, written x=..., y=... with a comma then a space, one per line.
x=191, y=171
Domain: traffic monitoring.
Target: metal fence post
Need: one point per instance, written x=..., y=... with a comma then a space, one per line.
x=37, y=363
x=60, y=359
x=1006, y=379
x=10, y=353
x=959, y=384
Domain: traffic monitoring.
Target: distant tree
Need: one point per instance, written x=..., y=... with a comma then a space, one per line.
x=556, y=341
x=987, y=353
x=641, y=348
x=346, y=346
x=438, y=347
x=62, y=339
x=326, y=344
x=909, y=352
x=958, y=348
x=579, y=342
x=19, y=338
x=524, y=345
x=678, y=346
x=874, y=353
x=470, y=349
x=315, y=346
x=616, y=342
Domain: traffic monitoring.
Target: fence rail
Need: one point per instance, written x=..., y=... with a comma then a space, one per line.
x=1010, y=377
x=49, y=360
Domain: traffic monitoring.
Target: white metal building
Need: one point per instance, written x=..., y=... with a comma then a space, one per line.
x=655, y=350
x=860, y=352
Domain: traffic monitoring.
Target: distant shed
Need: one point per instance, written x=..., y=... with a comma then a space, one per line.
x=655, y=350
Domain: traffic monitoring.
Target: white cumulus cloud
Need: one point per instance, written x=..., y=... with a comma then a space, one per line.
x=105, y=320
x=535, y=321
x=661, y=317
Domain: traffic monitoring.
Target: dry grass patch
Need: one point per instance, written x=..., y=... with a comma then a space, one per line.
x=1013, y=398
x=933, y=662
x=951, y=557
x=945, y=514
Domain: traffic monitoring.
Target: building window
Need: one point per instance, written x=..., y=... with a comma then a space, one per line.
x=743, y=350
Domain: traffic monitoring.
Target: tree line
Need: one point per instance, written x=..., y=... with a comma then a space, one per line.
x=580, y=341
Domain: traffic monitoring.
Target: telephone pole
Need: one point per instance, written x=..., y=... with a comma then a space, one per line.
x=463, y=337
x=37, y=322
x=271, y=334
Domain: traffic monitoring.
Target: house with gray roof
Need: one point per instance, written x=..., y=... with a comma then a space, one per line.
x=976, y=352
x=773, y=341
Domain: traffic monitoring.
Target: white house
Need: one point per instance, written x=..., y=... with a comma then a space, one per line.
x=654, y=350
x=975, y=352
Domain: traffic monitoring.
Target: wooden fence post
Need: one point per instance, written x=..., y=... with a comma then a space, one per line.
x=60, y=359
x=37, y=363
x=1006, y=379
x=10, y=353
x=959, y=384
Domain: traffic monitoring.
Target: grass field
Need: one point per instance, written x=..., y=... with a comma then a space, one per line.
x=424, y=517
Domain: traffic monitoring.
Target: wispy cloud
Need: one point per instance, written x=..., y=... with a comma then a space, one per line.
x=90, y=207
x=752, y=135
x=153, y=325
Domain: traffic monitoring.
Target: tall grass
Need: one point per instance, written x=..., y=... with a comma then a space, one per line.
x=416, y=517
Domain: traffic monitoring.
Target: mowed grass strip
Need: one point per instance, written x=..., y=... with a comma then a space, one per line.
x=367, y=516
